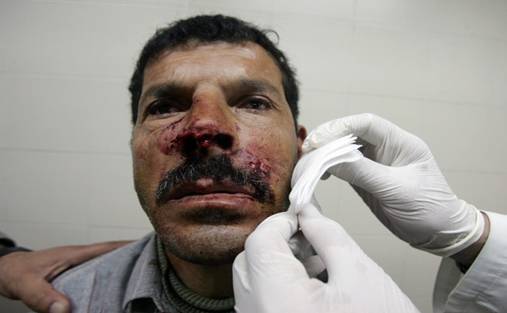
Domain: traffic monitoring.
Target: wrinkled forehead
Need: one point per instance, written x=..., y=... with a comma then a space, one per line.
x=215, y=62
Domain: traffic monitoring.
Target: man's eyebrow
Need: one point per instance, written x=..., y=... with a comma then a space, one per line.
x=165, y=90
x=246, y=85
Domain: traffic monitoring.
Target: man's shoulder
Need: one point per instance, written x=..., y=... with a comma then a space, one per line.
x=101, y=281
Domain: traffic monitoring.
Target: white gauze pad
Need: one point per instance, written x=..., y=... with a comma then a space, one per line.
x=310, y=168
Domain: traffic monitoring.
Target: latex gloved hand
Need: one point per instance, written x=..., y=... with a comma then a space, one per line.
x=401, y=183
x=268, y=278
x=26, y=275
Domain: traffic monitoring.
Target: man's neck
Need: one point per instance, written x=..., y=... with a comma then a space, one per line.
x=211, y=281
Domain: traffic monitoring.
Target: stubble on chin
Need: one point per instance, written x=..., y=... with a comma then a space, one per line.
x=204, y=244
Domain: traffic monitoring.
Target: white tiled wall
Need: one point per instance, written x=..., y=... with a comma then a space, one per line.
x=437, y=68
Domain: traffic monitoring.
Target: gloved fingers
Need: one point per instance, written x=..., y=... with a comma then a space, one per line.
x=283, y=225
x=271, y=237
x=269, y=257
x=304, y=252
x=369, y=175
x=300, y=247
x=370, y=129
x=240, y=277
x=305, y=177
x=333, y=245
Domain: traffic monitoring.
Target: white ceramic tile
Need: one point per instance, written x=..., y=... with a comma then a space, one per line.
x=404, y=112
x=472, y=17
x=319, y=49
x=317, y=107
x=258, y=13
x=240, y=9
x=457, y=17
x=41, y=235
x=113, y=200
x=466, y=137
x=468, y=69
x=341, y=203
x=423, y=302
x=104, y=233
x=91, y=39
x=484, y=190
x=338, y=9
x=64, y=114
x=385, y=250
x=134, y=3
x=45, y=187
x=419, y=272
x=390, y=63
x=397, y=14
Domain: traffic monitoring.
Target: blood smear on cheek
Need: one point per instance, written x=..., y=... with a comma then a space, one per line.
x=167, y=139
x=255, y=164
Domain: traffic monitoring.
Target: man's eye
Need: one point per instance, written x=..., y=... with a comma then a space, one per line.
x=162, y=107
x=255, y=103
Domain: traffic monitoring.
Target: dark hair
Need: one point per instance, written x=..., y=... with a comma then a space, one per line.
x=206, y=29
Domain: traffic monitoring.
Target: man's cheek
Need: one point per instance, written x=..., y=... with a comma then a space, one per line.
x=252, y=159
x=166, y=137
x=268, y=161
x=149, y=166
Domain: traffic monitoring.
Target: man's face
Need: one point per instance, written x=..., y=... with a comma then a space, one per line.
x=213, y=147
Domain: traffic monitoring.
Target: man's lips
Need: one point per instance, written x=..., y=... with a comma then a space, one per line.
x=208, y=202
x=208, y=189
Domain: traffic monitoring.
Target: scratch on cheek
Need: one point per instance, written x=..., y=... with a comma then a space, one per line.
x=167, y=137
x=259, y=166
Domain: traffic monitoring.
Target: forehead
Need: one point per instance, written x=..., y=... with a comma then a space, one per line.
x=217, y=62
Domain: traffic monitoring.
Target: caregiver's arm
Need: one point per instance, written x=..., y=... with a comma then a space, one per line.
x=401, y=183
x=26, y=275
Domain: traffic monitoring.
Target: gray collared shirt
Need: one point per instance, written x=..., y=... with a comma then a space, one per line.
x=128, y=280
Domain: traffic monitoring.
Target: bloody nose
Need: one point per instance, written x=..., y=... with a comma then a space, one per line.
x=193, y=144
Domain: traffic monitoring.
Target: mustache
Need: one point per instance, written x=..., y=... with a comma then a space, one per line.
x=218, y=168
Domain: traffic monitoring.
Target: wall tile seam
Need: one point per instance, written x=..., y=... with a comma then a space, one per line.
x=8, y=74
x=402, y=29
x=356, y=20
x=131, y=3
x=280, y=14
x=66, y=151
x=65, y=225
x=440, y=101
x=31, y=222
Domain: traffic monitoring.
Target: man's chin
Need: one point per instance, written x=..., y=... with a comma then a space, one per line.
x=206, y=244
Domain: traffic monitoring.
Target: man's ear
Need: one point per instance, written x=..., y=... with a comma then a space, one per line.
x=301, y=134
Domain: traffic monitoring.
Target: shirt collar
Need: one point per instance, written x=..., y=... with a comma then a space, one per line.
x=145, y=280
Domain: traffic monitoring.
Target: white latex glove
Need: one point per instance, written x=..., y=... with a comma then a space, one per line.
x=401, y=183
x=268, y=278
